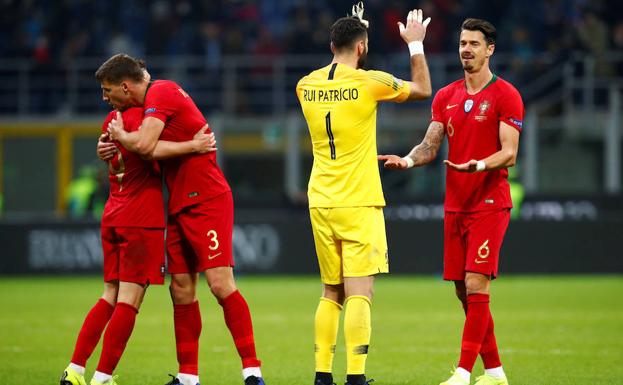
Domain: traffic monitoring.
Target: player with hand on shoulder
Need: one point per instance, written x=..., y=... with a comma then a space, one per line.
x=133, y=246
x=346, y=200
x=200, y=213
x=482, y=117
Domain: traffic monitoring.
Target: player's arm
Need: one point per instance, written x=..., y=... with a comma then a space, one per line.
x=505, y=157
x=421, y=154
x=413, y=34
x=143, y=141
x=200, y=144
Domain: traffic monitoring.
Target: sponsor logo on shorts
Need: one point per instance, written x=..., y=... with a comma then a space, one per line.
x=489, y=201
x=211, y=257
x=193, y=194
x=483, y=253
x=150, y=110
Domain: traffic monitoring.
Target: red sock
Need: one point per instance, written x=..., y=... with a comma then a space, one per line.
x=489, y=350
x=116, y=337
x=238, y=320
x=91, y=331
x=187, y=320
x=474, y=330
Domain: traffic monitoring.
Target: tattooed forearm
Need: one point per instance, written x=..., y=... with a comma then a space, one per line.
x=426, y=151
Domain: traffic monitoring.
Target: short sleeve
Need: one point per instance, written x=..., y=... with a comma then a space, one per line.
x=511, y=109
x=437, y=108
x=160, y=102
x=385, y=87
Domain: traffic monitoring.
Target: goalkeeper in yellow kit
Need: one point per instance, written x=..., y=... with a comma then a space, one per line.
x=339, y=102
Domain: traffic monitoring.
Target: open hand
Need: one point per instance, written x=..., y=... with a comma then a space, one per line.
x=393, y=162
x=469, y=166
x=204, y=142
x=415, y=29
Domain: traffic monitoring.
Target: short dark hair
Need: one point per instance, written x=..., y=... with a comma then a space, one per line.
x=483, y=26
x=119, y=68
x=345, y=31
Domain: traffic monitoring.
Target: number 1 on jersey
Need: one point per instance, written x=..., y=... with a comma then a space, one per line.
x=330, y=134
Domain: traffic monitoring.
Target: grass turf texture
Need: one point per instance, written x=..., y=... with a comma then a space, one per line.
x=552, y=330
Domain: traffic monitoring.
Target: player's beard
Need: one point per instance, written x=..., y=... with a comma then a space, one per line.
x=474, y=65
x=361, y=62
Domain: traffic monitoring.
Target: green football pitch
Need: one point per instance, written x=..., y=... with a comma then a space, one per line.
x=551, y=330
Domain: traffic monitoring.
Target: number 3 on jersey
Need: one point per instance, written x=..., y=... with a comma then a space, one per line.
x=327, y=120
x=213, y=240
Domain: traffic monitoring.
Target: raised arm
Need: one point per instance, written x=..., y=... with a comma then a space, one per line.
x=505, y=157
x=421, y=154
x=413, y=34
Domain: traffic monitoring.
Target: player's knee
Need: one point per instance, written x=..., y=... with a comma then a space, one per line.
x=181, y=292
x=111, y=291
x=221, y=288
x=366, y=292
x=334, y=293
x=371, y=293
x=476, y=284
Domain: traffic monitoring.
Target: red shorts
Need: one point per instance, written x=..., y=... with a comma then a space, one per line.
x=133, y=254
x=199, y=237
x=472, y=242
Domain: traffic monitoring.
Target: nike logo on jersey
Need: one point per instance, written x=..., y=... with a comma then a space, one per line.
x=449, y=106
x=210, y=257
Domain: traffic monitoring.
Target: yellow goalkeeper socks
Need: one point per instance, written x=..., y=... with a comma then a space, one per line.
x=326, y=325
x=357, y=330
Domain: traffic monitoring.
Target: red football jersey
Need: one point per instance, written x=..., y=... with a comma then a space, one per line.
x=135, y=198
x=472, y=126
x=190, y=178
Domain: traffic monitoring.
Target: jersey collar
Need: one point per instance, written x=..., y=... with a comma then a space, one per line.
x=493, y=79
x=147, y=89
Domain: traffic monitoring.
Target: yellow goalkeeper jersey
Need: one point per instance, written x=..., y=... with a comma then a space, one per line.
x=339, y=104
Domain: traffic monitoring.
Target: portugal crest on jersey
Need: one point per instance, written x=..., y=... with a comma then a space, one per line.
x=484, y=106
x=482, y=111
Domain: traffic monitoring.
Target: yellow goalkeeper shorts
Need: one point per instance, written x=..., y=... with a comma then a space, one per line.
x=350, y=242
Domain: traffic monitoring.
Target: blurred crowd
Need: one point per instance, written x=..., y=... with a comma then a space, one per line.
x=536, y=35
x=59, y=30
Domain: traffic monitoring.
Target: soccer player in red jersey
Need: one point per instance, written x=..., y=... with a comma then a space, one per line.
x=133, y=246
x=482, y=116
x=200, y=213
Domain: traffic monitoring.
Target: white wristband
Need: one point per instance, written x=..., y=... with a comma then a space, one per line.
x=416, y=48
x=480, y=165
x=410, y=162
